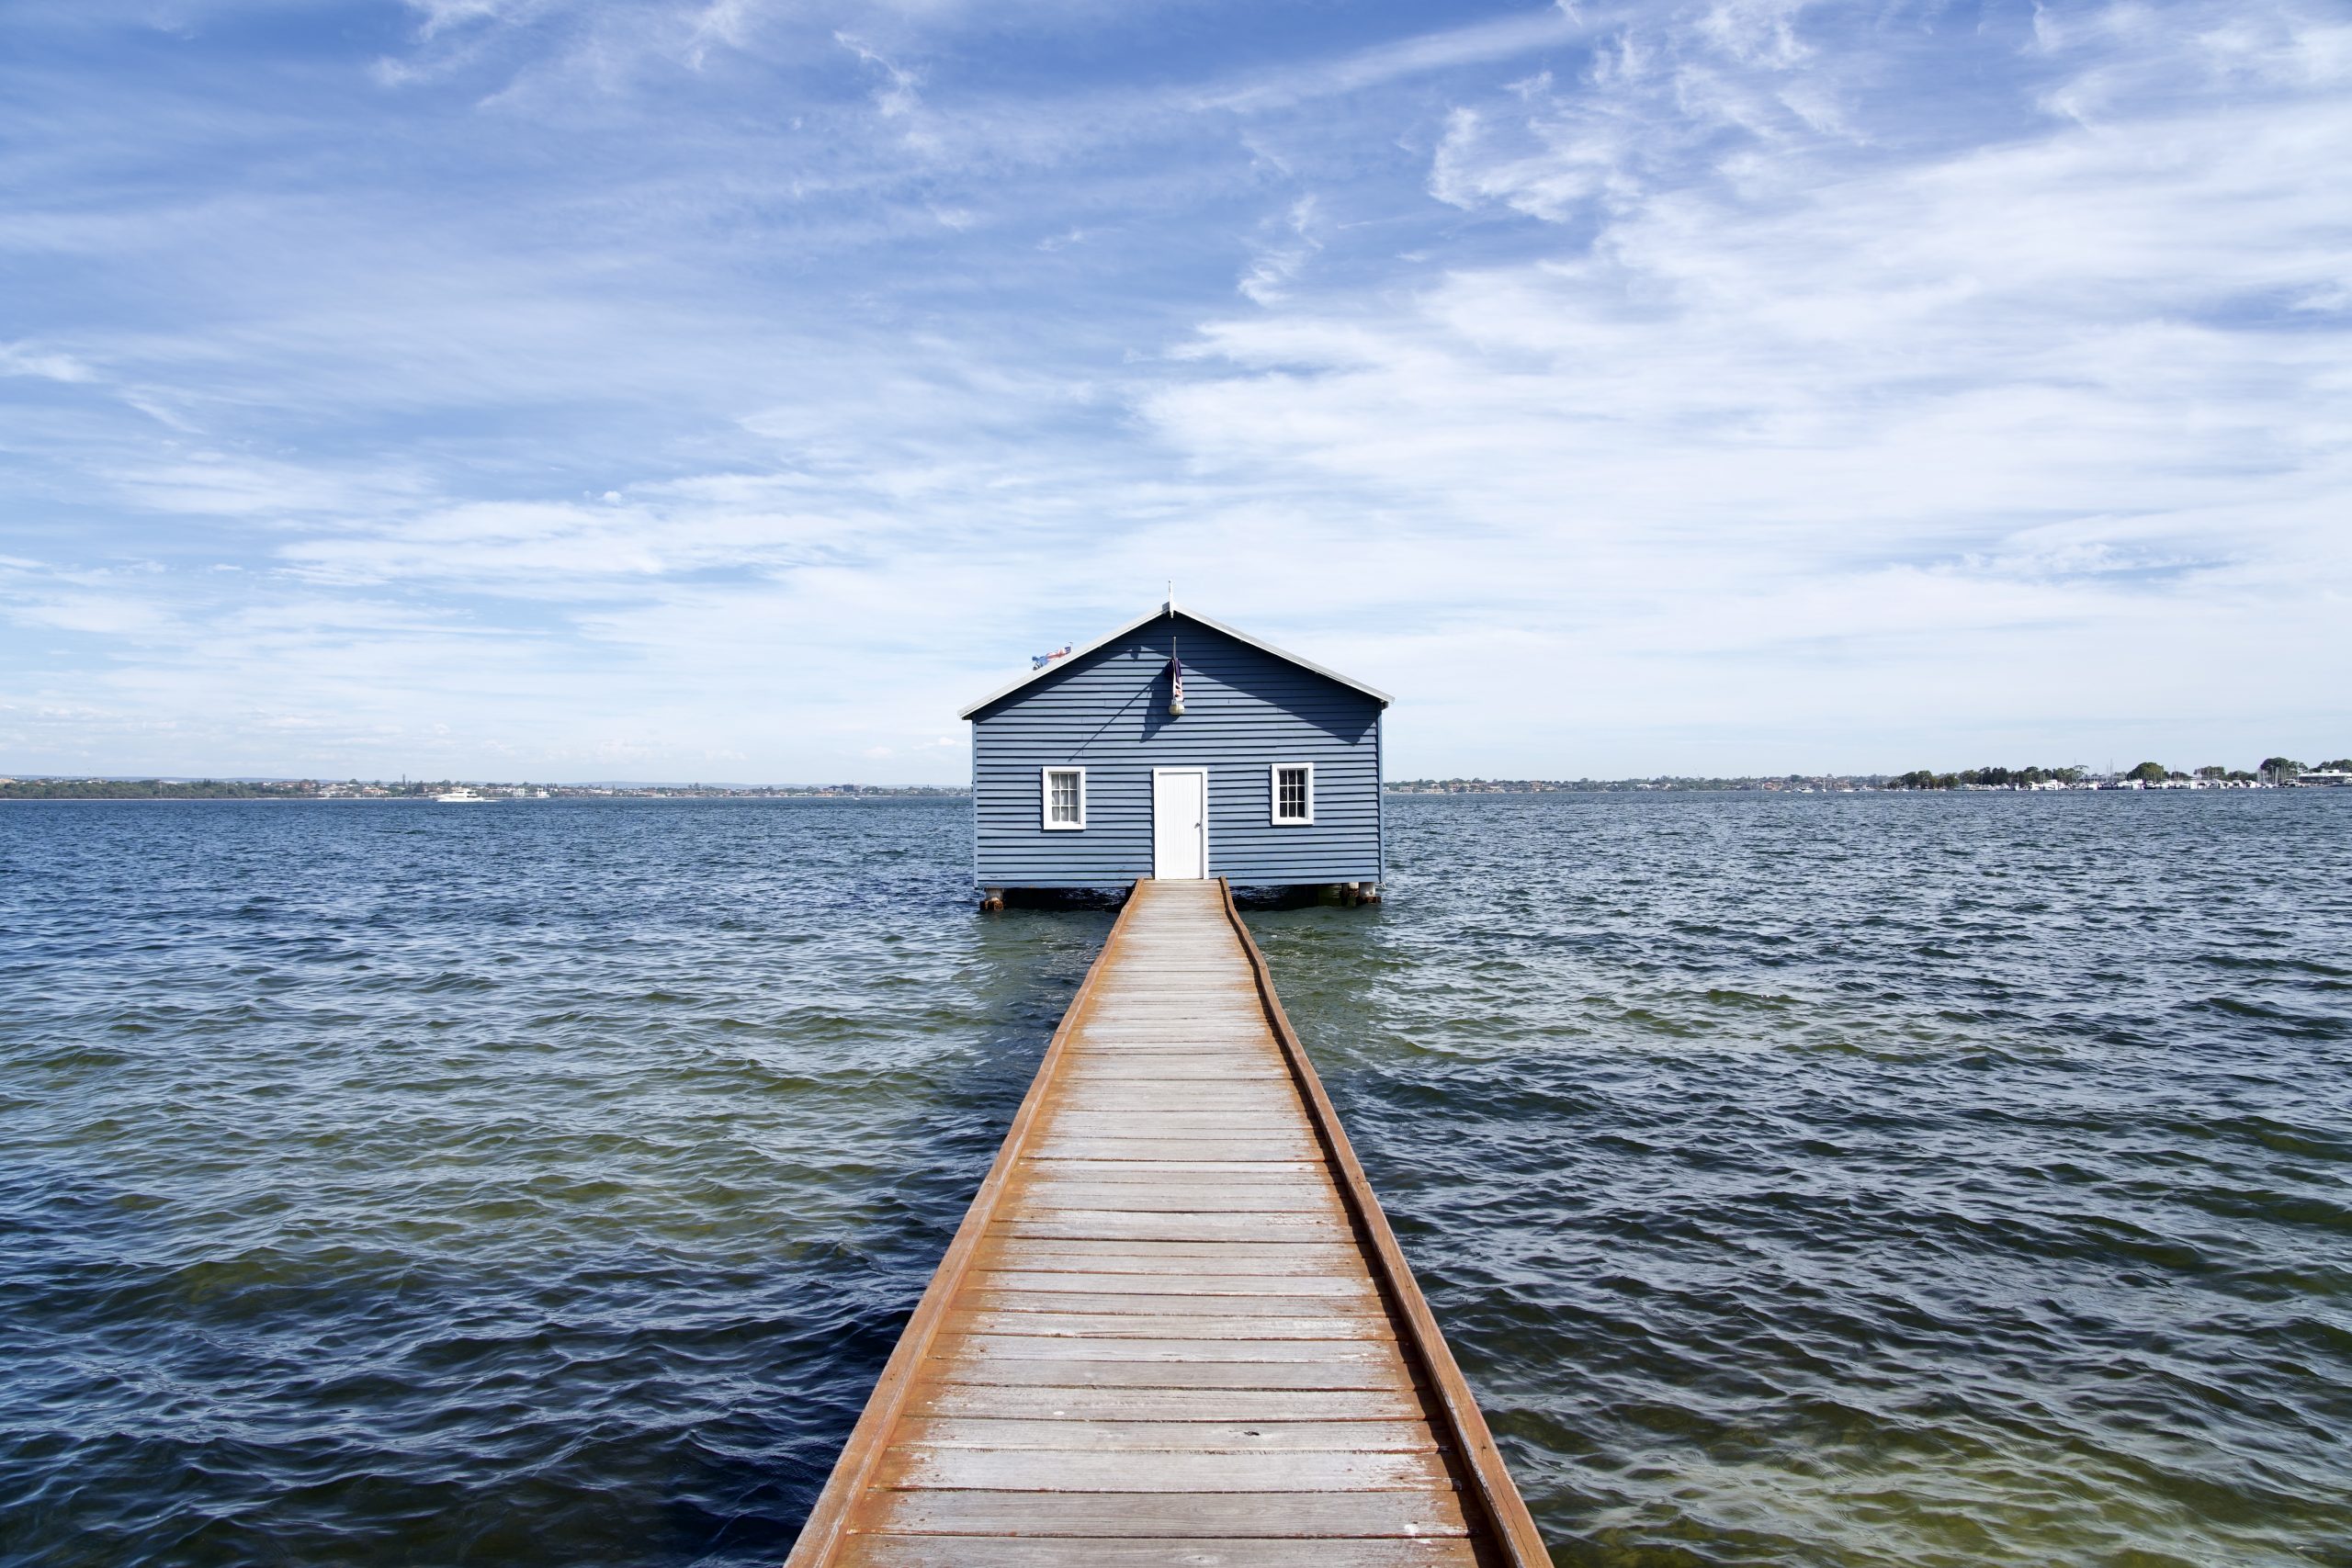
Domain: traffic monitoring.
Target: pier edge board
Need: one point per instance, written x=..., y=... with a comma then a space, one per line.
x=860, y=1458
x=1497, y=1497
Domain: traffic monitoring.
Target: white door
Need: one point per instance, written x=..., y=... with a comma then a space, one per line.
x=1180, y=823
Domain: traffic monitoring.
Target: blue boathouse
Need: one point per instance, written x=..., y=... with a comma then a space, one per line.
x=1177, y=748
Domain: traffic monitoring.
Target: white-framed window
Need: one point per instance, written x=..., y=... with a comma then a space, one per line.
x=1062, y=798
x=1294, y=792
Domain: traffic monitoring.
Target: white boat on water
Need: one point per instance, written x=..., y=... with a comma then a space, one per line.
x=461, y=795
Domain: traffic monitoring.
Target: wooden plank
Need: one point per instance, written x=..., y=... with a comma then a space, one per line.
x=1155, y=1170
x=1213, y=1093
x=978, y=1297
x=1001, y=1434
x=1143, y=1053
x=1208, y=1035
x=1191, y=1045
x=1235, y=1012
x=1139, y=1197
x=1174, y=1065
x=1240, y=1038
x=1201, y=1099
x=1255, y=1050
x=1238, y=1258
x=1133, y=1515
x=1161, y=1011
x=1106, y=1068
x=1164, y=1126
x=1115, y=1095
x=1173, y=993
x=1142, y=1143
x=1181, y=1111
x=1167, y=1324
x=1124, y=1092
x=1220, y=1173
x=976, y=1346
x=1016, y=1371
x=1182, y=1225
x=1164, y=1406
x=1241, y=1149
x=1232, y=1041
x=1235, y=1043
x=1190, y=968
x=1208, y=1186
x=910, y=1467
x=1194, y=1097
x=1227, y=1288
x=1106, y=1225
x=1205, y=1119
x=1152, y=1122
x=1287, y=1215
x=983, y=1552
x=1208, y=1190
x=1136, y=1078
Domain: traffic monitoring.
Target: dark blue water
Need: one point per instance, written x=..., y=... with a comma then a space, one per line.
x=1846, y=1180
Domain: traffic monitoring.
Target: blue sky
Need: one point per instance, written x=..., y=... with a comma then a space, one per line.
x=670, y=388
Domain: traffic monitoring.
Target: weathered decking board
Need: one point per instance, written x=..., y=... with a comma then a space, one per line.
x=1174, y=1326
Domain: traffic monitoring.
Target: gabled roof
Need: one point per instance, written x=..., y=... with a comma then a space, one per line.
x=1172, y=608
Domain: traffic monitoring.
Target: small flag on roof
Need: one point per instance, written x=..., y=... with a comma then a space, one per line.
x=1039, y=661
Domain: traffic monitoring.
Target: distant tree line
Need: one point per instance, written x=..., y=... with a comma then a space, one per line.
x=1565, y=787
x=146, y=789
x=1995, y=778
x=2279, y=770
x=313, y=789
x=2273, y=770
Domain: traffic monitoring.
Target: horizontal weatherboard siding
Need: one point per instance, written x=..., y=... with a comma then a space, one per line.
x=1245, y=710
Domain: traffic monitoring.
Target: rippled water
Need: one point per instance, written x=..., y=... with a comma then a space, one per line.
x=1846, y=1180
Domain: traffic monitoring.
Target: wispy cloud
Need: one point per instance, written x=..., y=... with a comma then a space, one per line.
x=1356, y=71
x=20, y=359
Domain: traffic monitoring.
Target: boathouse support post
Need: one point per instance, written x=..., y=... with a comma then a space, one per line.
x=991, y=900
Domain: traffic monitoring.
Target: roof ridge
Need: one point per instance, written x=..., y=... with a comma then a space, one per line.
x=1171, y=608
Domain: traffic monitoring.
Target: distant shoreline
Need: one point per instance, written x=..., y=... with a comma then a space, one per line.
x=210, y=789
x=2273, y=772
x=746, y=797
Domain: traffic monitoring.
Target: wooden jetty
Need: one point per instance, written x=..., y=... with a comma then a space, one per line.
x=1174, y=1326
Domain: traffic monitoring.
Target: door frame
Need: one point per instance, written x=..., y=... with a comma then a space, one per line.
x=1203, y=774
